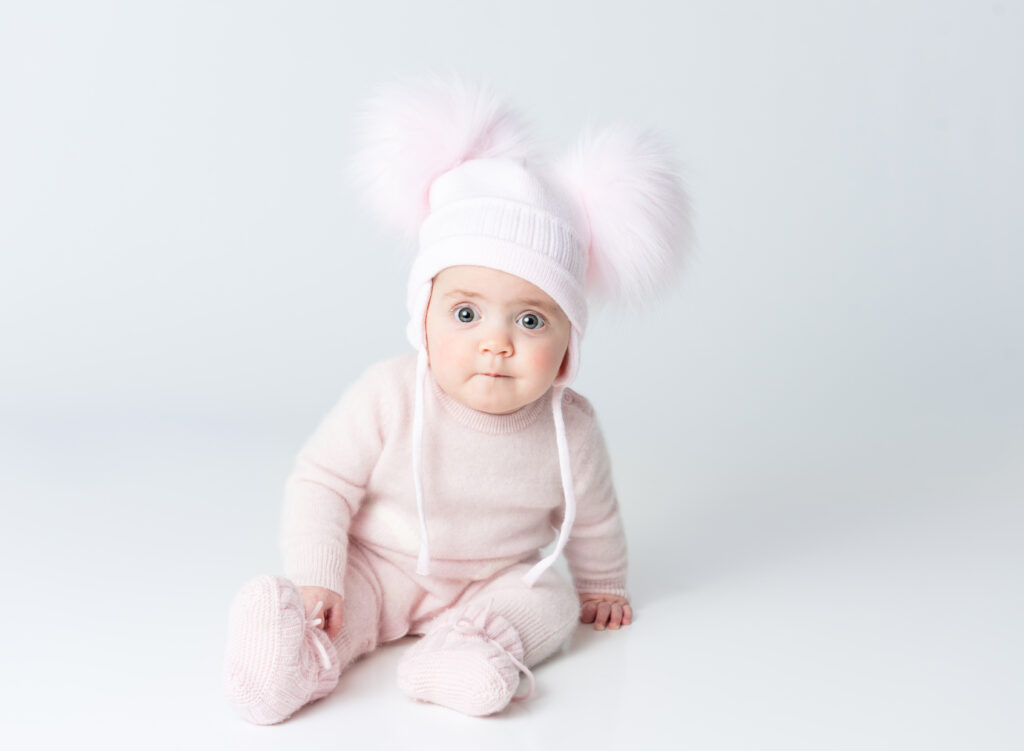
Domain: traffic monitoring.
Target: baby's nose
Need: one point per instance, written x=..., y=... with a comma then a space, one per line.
x=496, y=342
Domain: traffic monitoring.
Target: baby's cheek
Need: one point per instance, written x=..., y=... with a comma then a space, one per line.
x=444, y=354
x=544, y=361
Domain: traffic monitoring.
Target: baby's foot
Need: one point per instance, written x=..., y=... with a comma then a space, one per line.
x=277, y=660
x=469, y=662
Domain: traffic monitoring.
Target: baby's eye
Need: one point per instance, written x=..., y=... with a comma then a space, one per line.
x=465, y=315
x=530, y=321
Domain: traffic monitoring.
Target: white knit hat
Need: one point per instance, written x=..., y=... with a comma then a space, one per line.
x=447, y=162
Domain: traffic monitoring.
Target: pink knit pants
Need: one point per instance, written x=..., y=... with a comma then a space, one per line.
x=383, y=603
x=484, y=632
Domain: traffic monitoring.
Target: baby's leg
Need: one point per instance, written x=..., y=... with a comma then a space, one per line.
x=278, y=660
x=471, y=657
x=544, y=616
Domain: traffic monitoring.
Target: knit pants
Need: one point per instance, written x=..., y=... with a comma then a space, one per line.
x=478, y=635
x=383, y=603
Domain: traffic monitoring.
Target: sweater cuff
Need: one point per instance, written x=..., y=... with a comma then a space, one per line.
x=615, y=587
x=318, y=566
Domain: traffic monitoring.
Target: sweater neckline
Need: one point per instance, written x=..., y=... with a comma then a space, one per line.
x=485, y=422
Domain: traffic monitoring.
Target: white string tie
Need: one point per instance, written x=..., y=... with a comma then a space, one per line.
x=466, y=626
x=314, y=620
x=568, y=490
x=423, y=560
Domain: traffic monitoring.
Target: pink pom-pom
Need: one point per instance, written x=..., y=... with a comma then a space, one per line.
x=414, y=130
x=629, y=187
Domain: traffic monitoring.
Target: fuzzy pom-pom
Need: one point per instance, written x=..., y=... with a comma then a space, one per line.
x=628, y=184
x=413, y=130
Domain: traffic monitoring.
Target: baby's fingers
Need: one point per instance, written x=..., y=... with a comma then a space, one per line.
x=332, y=620
x=616, y=616
x=604, y=609
x=627, y=615
x=588, y=611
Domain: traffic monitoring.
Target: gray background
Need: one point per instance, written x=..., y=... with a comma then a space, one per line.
x=818, y=440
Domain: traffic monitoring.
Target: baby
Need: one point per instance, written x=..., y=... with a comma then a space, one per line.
x=422, y=502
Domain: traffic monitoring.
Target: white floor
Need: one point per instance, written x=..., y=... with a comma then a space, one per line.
x=877, y=608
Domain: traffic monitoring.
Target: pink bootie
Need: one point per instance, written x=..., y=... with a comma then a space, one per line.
x=277, y=660
x=469, y=662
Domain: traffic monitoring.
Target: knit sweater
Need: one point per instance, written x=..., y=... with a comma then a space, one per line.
x=491, y=487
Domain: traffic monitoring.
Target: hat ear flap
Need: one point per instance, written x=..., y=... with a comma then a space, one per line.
x=638, y=213
x=411, y=131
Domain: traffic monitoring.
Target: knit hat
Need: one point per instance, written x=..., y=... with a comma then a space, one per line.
x=450, y=166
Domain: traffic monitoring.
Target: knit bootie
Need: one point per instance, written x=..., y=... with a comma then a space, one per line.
x=469, y=662
x=277, y=660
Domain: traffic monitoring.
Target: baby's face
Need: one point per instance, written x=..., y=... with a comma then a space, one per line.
x=495, y=342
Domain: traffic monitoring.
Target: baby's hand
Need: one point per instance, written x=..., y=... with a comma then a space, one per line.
x=605, y=610
x=332, y=610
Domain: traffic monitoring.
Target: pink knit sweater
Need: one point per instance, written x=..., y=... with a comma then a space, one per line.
x=492, y=489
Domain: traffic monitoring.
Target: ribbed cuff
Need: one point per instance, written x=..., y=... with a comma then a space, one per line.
x=614, y=587
x=318, y=566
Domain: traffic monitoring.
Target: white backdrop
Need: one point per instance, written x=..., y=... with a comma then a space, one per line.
x=818, y=440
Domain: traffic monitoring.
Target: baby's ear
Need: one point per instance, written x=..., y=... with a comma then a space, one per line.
x=565, y=364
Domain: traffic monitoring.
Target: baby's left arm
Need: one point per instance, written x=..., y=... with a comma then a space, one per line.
x=596, y=551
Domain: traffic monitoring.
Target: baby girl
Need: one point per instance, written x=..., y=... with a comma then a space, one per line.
x=422, y=502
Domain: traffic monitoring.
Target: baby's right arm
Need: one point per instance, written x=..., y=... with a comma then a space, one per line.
x=328, y=484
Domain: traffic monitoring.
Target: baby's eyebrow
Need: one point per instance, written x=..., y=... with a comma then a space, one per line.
x=461, y=293
x=529, y=303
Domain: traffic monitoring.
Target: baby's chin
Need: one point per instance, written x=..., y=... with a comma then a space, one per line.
x=494, y=398
x=492, y=406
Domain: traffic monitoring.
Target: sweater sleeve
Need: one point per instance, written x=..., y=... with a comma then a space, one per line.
x=328, y=483
x=596, y=550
